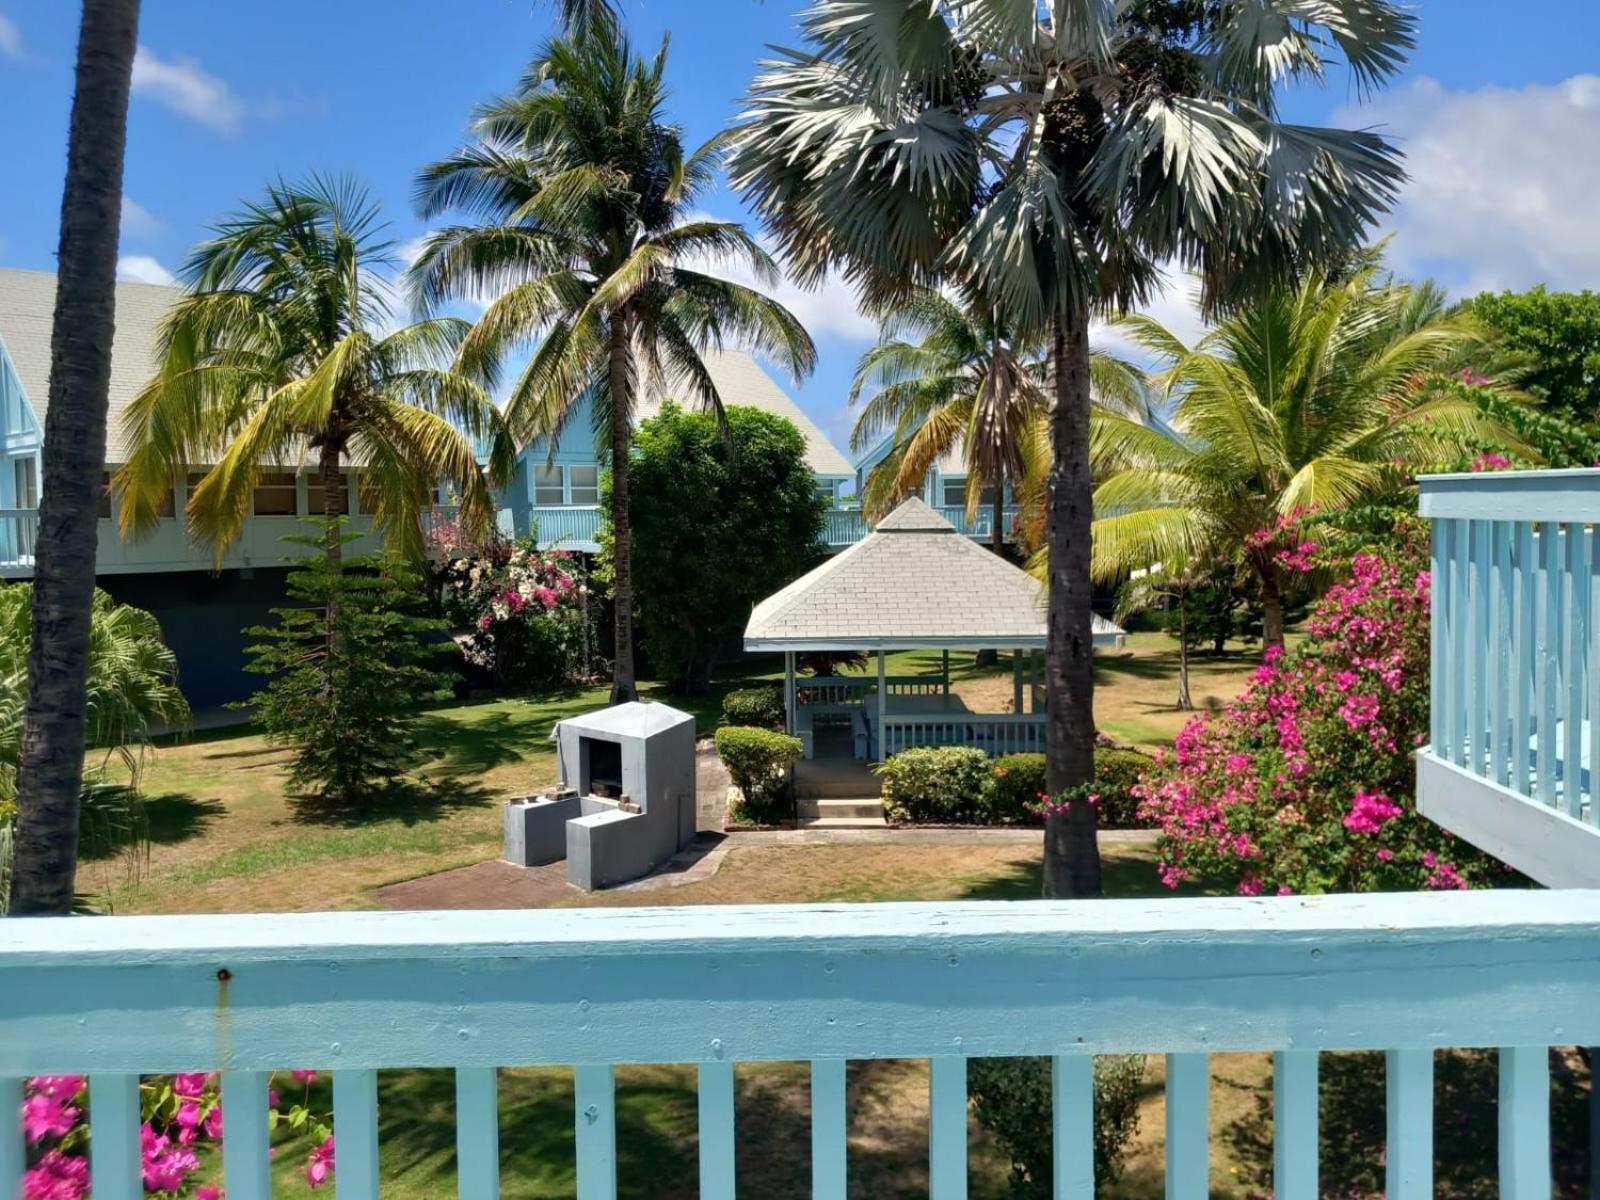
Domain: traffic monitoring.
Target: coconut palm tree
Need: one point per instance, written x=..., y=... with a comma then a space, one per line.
x=1052, y=157
x=950, y=377
x=585, y=246
x=1316, y=396
x=283, y=348
x=51, y=766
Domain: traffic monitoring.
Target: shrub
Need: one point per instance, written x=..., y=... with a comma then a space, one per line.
x=758, y=706
x=758, y=760
x=1305, y=783
x=1116, y=773
x=524, y=613
x=935, y=783
x=1015, y=784
x=1012, y=1100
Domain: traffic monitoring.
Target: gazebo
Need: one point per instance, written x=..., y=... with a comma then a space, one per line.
x=913, y=583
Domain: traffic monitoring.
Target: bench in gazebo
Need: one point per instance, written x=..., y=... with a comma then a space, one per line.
x=913, y=583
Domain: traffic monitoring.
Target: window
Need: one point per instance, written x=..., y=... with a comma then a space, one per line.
x=341, y=501
x=276, y=495
x=103, y=509
x=27, y=483
x=585, y=484
x=955, y=493
x=547, y=489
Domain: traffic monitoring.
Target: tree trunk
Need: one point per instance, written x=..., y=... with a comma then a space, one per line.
x=1271, y=608
x=50, y=775
x=1185, y=703
x=1071, y=851
x=623, y=685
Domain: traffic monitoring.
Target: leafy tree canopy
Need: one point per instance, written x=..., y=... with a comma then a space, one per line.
x=1557, y=335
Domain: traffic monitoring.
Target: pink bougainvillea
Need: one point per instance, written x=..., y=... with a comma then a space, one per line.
x=1305, y=782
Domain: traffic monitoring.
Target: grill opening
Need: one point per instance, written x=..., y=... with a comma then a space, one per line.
x=602, y=768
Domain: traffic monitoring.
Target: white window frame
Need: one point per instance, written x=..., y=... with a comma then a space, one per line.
x=559, y=484
x=573, y=487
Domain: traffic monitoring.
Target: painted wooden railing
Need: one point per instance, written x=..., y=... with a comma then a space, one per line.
x=567, y=528
x=846, y=526
x=996, y=733
x=121, y=997
x=18, y=529
x=851, y=689
x=1515, y=738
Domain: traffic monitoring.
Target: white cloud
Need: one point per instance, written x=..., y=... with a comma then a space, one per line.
x=188, y=89
x=1176, y=305
x=10, y=38
x=1503, y=182
x=141, y=268
x=138, y=222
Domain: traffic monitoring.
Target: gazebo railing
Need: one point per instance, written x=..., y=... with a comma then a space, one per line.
x=997, y=733
x=851, y=689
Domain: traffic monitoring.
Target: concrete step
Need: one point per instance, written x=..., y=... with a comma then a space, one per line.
x=842, y=823
x=860, y=808
x=845, y=787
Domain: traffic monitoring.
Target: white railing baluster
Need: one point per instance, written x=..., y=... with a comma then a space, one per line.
x=947, y=1128
x=114, y=1120
x=1501, y=600
x=1438, y=642
x=1408, y=1104
x=829, y=1129
x=1457, y=614
x=1188, y=1127
x=1593, y=713
x=246, y=1165
x=1547, y=673
x=1478, y=560
x=1072, y=1126
x=1575, y=599
x=355, y=1126
x=716, y=1131
x=1527, y=660
x=477, y=1133
x=1294, y=1125
x=1524, y=1114
x=595, y=1101
x=13, y=1151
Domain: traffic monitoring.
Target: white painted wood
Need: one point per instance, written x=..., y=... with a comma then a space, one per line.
x=1072, y=1126
x=1502, y=602
x=1576, y=684
x=1188, y=1127
x=1541, y=842
x=1459, y=616
x=247, y=1167
x=114, y=1162
x=595, y=1106
x=1408, y=1106
x=477, y=1133
x=355, y=1128
x=829, y=1127
x=1294, y=1125
x=1527, y=660
x=947, y=1127
x=1524, y=1117
x=716, y=1131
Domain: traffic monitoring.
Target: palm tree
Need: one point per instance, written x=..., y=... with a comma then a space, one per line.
x=282, y=348
x=966, y=384
x=586, y=248
x=1052, y=157
x=1316, y=396
x=53, y=725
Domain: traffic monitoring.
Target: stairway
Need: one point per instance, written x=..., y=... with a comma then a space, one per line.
x=834, y=791
x=840, y=812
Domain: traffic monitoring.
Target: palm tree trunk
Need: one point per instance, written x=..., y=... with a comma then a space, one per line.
x=1071, y=850
x=1185, y=703
x=50, y=776
x=624, y=687
x=1271, y=608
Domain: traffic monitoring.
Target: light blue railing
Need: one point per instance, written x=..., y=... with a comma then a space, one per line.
x=568, y=528
x=18, y=529
x=996, y=733
x=355, y=993
x=846, y=526
x=1515, y=738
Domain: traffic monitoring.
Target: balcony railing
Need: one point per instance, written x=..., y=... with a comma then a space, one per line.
x=846, y=526
x=579, y=528
x=567, y=528
x=1516, y=669
x=18, y=529
x=121, y=997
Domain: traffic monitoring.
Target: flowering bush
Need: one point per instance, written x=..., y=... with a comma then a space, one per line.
x=182, y=1119
x=1305, y=782
x=523, y=612
x=935, y=783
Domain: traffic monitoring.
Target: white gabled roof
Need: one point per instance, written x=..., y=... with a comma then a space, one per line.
x=27, y=308
x=634, y=719
x=912, y=583
x=741, y=381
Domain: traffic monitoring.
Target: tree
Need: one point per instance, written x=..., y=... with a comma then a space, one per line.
x=951, y=377
x=50, y=772
x=587, y=248
x=1314, y=397
x=282, y=347
x=1050, y=159
x=1556, y=338
x=349, y=664
x=722, y=520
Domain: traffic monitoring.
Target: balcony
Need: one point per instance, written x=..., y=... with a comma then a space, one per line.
x=1516, y=669
x=119, y=997
x=847, y=526
x=567, y=528
x=18, y=529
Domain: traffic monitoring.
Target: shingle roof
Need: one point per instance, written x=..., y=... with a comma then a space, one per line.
x=740, y=380
x=27, y=306
x=913, y=582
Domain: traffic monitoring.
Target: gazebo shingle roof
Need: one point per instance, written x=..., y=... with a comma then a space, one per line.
x=914, y=582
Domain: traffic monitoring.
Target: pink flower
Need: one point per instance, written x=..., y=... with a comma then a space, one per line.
x=213, y=1122
x=191, y=1084
x=1370, y=811
x=47, y=1116
x=56, y=1176
x=208, y=1191
x=303, y=1076
x=320, y=1165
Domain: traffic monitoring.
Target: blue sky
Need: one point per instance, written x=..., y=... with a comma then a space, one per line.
x=1499, y=113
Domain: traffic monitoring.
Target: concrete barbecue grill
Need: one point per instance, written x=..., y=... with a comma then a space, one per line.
x=626, y=803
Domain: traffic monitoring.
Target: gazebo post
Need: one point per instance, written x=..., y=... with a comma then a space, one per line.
x=1033, y=679
x=788, y=691
x=945, y=656
x=1016, y=681
x=883, y=705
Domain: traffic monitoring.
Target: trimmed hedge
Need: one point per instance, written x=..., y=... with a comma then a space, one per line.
x=936, y=783
x=761, y=707
x=1014, y=785
x=1116, y=770
x=961, y=784
x=758, y=760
